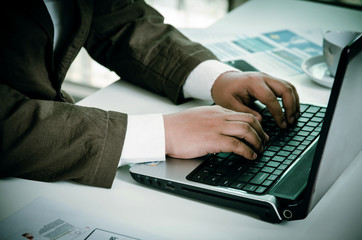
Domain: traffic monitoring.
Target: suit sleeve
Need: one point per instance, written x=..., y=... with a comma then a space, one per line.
x=132, y=40
x=53, y=141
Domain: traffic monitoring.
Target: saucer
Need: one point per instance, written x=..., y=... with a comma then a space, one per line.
x=316, y=69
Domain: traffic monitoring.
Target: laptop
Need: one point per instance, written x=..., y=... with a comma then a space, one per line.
x=297, y=167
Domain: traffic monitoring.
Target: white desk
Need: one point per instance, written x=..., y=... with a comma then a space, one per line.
x=337, y=216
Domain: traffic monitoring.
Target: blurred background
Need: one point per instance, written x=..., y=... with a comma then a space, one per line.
x=86, y=76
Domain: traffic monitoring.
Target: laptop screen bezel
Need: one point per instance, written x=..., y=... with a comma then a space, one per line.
x=347, y=55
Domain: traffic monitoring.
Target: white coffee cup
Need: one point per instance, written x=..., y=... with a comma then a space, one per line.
x=333, y=44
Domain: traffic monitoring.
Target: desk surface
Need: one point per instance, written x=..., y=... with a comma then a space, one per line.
x=336, y=216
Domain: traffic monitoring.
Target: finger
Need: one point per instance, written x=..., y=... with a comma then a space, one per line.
x=250, y=121
x=267, y=97
x=245, y=133
x=232, y=144
x=291, y=105
x=289, y=96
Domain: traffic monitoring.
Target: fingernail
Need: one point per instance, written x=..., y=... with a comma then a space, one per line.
x=284, y=124
x=292, y=119
x=266, y=137
x=255, y=156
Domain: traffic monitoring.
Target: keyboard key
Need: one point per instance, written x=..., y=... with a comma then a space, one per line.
x=283, y=153
x=279, y=143
x=320, y=114
x=303, y=120
x=223, y=155
x=245, y=177
x=307, y=115
x=268, y=153
x=277, y=172
x=294, y=143
x=288, y=148
x=261, y=189
x=312, y=109
x=303, y=107
x=259, y=178
x=211, y=180
x=273, y=164
x=253, y=170
x=237, y=185
x=224, y=182
x=267, y=183
x=259, y=164
x=298, y=138
x=297, y=152
x=274, y=148
x=303, y=133
x=268, y=169
x=199, y=177
x=287, y=162
x=317, y=119
x=282, y=167
x=314, y=134
x=250, y=188
x=210, y=166
x=216, y=160
x=264, y=159
x=278, y=158
x=272, y=177
x=312, y=124
x=307, y=129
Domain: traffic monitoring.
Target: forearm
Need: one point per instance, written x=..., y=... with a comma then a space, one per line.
x=141, y=49
x=53, y=141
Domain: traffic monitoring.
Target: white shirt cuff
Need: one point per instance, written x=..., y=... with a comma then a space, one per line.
x=145, y=139
x=200, y=81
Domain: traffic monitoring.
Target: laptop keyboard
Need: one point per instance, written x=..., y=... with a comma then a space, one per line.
x=257, y=176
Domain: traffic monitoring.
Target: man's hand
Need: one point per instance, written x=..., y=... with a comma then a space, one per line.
x=234, y=127
x=199, y=131
x=238, y=90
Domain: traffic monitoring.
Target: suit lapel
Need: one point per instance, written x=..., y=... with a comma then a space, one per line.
x=81, y=25
x=39, y=12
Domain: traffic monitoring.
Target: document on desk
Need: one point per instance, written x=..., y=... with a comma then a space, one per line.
x=48, y=220
x=279, y=52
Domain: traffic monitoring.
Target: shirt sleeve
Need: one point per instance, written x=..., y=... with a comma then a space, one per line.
x=145, y=139
x=201, y=79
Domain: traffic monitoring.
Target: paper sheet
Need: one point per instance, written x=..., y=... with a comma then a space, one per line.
x=279, y=53
x=48, y=220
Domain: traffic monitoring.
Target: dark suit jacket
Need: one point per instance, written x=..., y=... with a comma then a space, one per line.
x=43, y=135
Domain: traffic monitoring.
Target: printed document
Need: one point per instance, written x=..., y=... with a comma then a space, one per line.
x=48, y=220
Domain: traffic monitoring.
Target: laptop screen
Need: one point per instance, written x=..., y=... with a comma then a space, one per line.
x=341, y=138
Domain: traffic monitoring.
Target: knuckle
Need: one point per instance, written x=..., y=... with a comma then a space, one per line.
x=245, y=126
x=256, y=78
x=289, y=88
x=251, y=118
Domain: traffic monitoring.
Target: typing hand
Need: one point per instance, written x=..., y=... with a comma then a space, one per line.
x=211, y=129
x=238, y=90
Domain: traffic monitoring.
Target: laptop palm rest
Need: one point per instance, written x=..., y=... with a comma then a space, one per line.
x=294, y=182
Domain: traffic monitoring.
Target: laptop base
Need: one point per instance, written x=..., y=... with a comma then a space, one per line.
x=265, y=209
